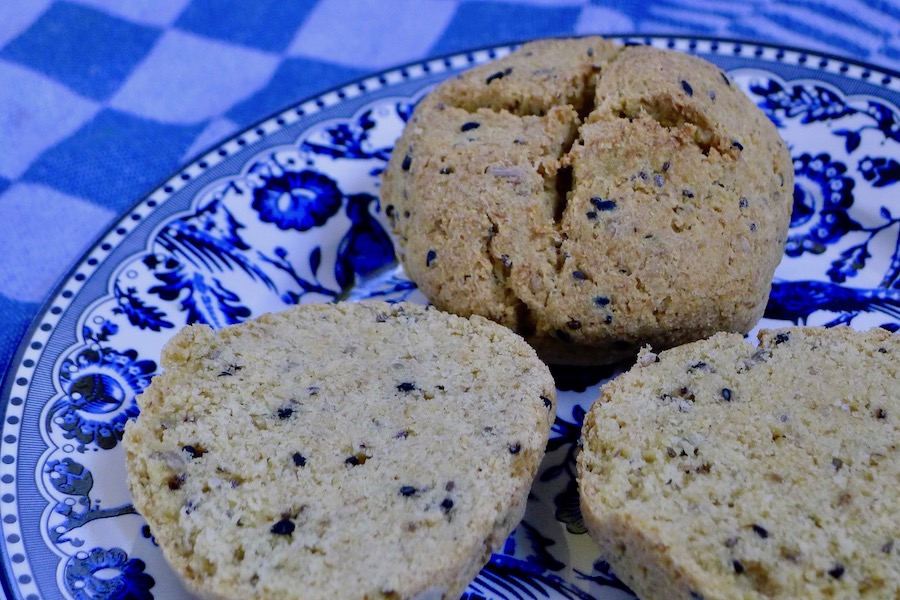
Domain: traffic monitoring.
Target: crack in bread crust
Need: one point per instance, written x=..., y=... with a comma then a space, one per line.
x=592, y=171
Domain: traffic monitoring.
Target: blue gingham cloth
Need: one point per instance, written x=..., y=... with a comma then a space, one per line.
x=102, y=99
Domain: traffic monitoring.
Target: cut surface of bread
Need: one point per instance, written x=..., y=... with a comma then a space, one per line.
x=350, y=450
x=723, y=470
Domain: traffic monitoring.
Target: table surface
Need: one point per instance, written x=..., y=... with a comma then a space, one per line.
x=100, y=100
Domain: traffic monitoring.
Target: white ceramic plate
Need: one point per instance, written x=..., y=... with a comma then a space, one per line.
x=288, y=212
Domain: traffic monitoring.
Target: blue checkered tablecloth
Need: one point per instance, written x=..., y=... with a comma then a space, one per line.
x=102, y=99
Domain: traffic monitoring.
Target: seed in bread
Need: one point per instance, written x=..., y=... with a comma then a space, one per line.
x=339, y=451
x=720, y=470
x=593, y=198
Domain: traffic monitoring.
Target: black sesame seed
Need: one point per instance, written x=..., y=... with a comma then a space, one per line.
x=671, y=452
x=497, y=75
x=285, y=413
x=193, y=451
x=687, y=88
x=782, y=338
x=579, y=275
x=760, y=531
x=547, y=402
x=446, y=505
x=389, y=211
x=726, y=393
x=837, y=463
x=712, y=95
x=406, y=386
x=402, y=435
x=576, y=325
x=608, y=319
x=407, y=162
x=515, y=448
x=737, y=145
x=446, y=170
x=469, y=126
x=881, y=414
x=738, y=567
x=743, y=203
x=299, y=459
x=429, y=258
x=888, y=547
x=601, y=300
x=590, y=51
x=283, y=527
x=591, y=214
x=687, y=194
x=837, y=572
x=602, y=204
x=352, y=461
x=660, y=180
x=231, y=370
x=698, y=365
x=725, y=79
x=408, y=490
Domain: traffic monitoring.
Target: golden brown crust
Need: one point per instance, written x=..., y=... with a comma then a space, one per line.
x=592, y=198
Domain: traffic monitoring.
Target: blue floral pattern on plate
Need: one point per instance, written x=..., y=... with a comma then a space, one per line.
x=288, y=212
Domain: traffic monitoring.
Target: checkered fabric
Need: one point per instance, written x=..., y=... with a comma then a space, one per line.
x=102, y=99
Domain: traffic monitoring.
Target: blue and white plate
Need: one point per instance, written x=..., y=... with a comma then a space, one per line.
x=288, y=212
